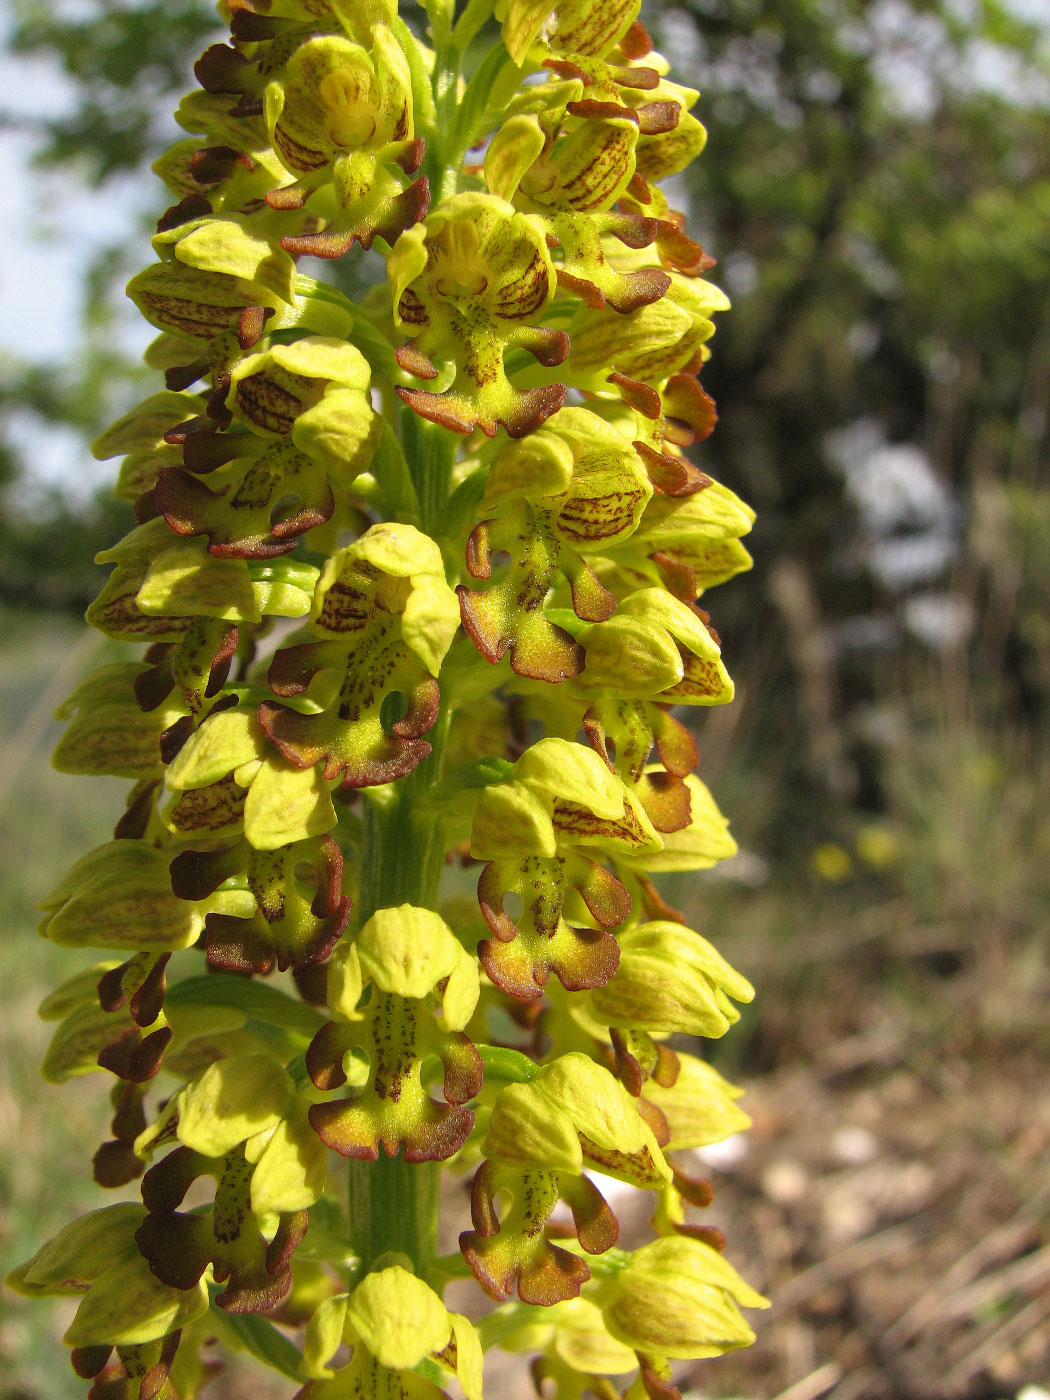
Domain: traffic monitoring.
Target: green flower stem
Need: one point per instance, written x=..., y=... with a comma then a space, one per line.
x=429, y=453
x=393, y=1208
x=393, y=1204
x=402, y=853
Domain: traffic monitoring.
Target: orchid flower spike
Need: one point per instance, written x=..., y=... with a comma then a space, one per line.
x=414, y=578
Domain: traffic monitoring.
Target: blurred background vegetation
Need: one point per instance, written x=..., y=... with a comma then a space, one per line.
x=876, y=189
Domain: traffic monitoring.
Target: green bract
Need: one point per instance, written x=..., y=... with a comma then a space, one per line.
x=416, y=578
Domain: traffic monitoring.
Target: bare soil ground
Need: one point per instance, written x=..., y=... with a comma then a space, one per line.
x=893, y=1198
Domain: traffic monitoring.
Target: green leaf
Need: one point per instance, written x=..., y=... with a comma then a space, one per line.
x=431, y=1371
x=255, y=998
x=469, y=22
x=328, y=1246
x=440, y=12
x=251, y=1333
x=467, y=777
x=457, y=515
x=422, y=94
x=471, y=111
x=502, y=1323
x=362, y=333
x=390, y=470
x=293, y=573
x=505, y=1065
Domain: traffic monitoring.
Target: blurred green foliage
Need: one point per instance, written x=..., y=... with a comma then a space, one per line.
x=882, y=221
x=127, y=61
x=48, y=540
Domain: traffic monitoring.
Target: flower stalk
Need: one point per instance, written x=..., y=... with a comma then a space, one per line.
x=417, y=581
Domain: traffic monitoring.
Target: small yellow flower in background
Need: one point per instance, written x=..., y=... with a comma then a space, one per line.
x=878, y=847
x=983, y=771
x=831, y=862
